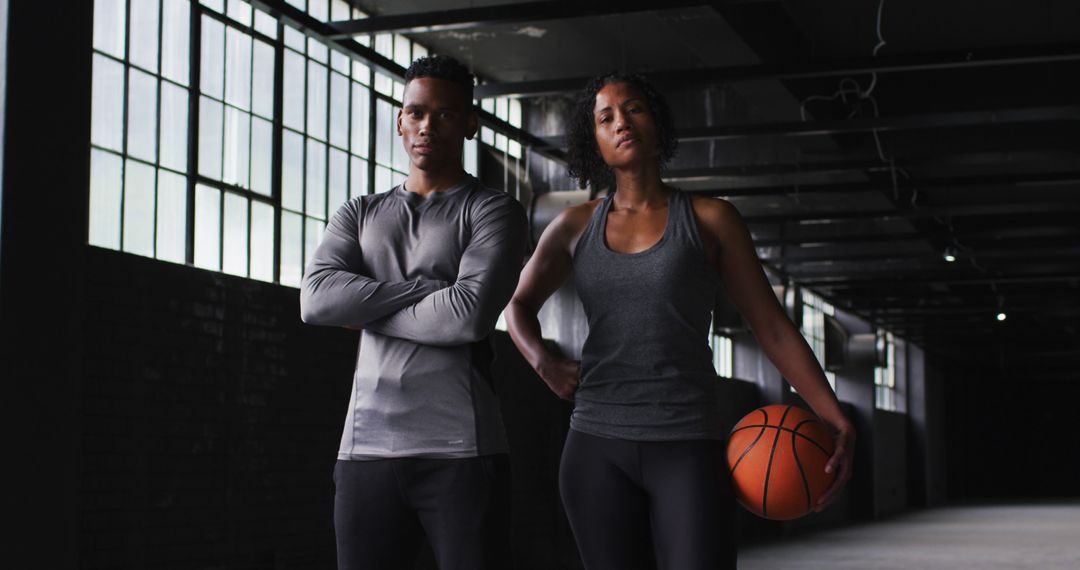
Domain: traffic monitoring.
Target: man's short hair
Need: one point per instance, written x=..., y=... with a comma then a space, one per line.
x=442, y=67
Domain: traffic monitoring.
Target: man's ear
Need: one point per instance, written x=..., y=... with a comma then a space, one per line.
x=397, y=123
x=473, y=125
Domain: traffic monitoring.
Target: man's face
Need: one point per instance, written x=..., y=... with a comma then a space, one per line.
x=434, y=122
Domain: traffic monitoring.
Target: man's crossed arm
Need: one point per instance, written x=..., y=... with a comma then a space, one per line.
x=423, y=311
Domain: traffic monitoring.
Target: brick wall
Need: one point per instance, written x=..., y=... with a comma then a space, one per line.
x=211, y=420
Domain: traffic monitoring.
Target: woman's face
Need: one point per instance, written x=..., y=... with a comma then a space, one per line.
x=624, y=126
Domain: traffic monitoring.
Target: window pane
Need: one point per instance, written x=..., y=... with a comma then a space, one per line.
x=207, y=227
x=340, y=62
x=291, y=236
x=318, y=51
x=262, y=95
x=382, y=179
x=211, y=63
x=361, y=72
x=358, y=177
x=338, y=186
x=384, y=44
x=142, y=115
x=502, y=109
x=361, y=115
x=319, y=9
x=399, y=91
x=139, y=208
x=171, y=216
x=109, y=26
x=240, y=11
x=262, y=241
x=295, y=39
x=210, y=135
x=262, y=140
x=514, y=117
x=105, y=181
x=265, y=24
x=339, y=110
x=312, y=236
x=175, y=38
x=397, y=146
x=402, y=50
x=292, y=170
x=383, y=124
x=418, y=51
x=238, y=69
x=107, y=102
x=315, y=191
x=293, y=91
x=237, y=147
x=236, y=234
x=383, y=84
x=513, y=148
x=144, y=34
x=339, y=10
x=174, y=123
x=469, y=157
x=215, y=5
x=316, y=100
x=396, y=178
x=487, y=135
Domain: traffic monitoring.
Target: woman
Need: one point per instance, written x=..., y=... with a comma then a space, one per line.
x=642, y=475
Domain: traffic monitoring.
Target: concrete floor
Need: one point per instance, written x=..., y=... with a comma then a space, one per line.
x=1044, y=535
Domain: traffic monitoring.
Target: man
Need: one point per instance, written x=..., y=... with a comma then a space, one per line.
x=424, y=270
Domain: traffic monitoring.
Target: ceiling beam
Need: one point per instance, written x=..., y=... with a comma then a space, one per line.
x=970, y=210
x=939, y=279
x=985, y=57
x=1038, y=271
x=954, y=119
x=701, y=176
x=1038, y=232
x=485, y=16
x=985, y=253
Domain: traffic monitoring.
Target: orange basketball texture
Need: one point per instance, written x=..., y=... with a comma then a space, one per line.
x=777, y=456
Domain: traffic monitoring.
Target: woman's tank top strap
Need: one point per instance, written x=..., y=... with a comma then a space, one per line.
x=681, y=215
x=593, y=235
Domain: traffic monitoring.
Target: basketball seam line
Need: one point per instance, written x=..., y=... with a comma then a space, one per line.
x=795, y=452
x=768, y=470
x=802, y=435
x=752, y=443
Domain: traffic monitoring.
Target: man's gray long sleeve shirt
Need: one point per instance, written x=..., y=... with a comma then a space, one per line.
x=426, y=279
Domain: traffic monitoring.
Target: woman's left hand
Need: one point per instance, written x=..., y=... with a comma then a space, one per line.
x=840, y=463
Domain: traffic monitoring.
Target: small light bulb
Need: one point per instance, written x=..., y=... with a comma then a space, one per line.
x=1001, y=316
x=949, y=257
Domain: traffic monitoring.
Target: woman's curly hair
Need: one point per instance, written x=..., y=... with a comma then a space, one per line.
x=583, y=156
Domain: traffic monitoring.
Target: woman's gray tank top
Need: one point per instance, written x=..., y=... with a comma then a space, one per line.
x=646, y=366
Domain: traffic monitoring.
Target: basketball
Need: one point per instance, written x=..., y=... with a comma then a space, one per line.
x=777, y=456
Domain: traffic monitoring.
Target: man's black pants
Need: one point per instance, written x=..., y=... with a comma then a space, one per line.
x=383, y=509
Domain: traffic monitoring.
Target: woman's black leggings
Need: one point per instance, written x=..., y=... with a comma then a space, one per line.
x=645, y=505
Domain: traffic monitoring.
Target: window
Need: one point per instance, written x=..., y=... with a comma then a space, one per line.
x=885, y=377
x=723, y=355
x=235, y=163
x=508, y=149
x=138, y=141
x=814, y=310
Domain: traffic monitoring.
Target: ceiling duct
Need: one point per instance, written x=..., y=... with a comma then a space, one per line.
x=845, y=350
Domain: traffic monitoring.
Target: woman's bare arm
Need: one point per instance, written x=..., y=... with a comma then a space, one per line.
x=747, y=287
x=546, y=271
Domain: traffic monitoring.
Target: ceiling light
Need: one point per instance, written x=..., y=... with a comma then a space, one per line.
x=1001, y=316
x=950, y=254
